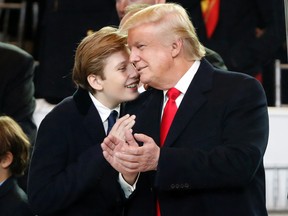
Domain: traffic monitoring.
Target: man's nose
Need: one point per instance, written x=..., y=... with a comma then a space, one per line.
x=132, y=71
x=134, y=57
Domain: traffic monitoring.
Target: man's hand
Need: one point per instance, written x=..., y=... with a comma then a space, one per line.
x=129, y=158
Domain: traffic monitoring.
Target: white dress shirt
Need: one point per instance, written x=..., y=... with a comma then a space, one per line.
x=104, y=111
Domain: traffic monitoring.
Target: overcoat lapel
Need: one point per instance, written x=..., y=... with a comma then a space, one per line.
x=93, y=124
x=91, y=118
x=192, y=101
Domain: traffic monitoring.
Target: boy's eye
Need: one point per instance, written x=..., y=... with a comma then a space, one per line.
x=122, y=68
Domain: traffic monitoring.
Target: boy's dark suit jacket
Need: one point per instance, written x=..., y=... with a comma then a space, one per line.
x=13, y=200
x=68, y=173
x=17, y=88
x=212, y=159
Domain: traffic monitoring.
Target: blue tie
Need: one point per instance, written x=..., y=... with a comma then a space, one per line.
x=111, y=120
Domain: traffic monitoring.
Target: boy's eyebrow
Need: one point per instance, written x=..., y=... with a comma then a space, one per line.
x=122, y=63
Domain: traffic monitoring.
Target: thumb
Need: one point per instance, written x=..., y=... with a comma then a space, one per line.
x=130, y=138
x=143, y=138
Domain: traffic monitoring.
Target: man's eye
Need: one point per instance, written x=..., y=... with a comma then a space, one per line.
x=140, y=46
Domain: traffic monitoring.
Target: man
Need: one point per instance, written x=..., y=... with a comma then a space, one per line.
x=17, y=87
x=211, y=161
x=68, y=174
x=122, y=6
x=14, y=157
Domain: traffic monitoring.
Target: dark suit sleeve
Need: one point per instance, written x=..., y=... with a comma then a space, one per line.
x=19, y=101
x=229, y=153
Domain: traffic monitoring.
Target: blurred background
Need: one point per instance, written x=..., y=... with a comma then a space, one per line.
x=51, y=29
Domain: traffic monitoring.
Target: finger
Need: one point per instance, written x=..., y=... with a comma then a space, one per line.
x=130, y=125
x=107, y=143
x=107, y=156
x=143, y=138
x=106, y=147
x=121, y=121
x=127, y=165
x=130, y=138
x=125, y=123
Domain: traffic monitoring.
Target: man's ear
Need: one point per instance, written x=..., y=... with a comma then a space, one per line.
x=160, y=1
x=95, y=82
x=176, y=47
x=6, y=160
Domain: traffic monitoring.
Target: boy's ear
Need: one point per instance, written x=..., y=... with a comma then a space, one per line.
x=6, y=160
x=95, y=82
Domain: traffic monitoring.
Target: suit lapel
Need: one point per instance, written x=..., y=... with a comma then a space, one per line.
x=93, y=124
x=192, y=101
x=91, y=118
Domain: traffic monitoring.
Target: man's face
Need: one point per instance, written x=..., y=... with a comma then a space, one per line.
x=122, y=4
x=151, y=54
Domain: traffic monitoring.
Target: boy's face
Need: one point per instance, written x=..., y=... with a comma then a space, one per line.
x=121, y=80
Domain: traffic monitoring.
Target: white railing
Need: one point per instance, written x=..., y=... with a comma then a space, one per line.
x=277, y=189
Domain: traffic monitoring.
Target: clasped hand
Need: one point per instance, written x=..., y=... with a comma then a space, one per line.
x=121, y=150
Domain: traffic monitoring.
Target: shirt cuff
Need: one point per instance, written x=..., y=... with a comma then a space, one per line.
x=127, y=188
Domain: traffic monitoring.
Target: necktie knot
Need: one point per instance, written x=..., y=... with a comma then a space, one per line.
x=173, y=93
x=111, y=120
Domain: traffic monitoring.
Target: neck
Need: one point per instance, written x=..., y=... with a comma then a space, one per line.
x=176, y=73
x=4, y=175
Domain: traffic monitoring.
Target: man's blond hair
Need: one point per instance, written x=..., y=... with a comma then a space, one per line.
x=171, y=18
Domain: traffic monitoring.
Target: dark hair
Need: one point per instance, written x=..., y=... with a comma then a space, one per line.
x=14, y=140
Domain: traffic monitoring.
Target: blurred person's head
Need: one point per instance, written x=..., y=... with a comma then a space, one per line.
x=130, y=10
x=14, y=149
x=102, y=67
x=122, y=4
x=163, y=44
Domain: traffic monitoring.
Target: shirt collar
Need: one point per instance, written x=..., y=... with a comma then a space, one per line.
x=183, y=84
x=2, y=182
x=104, y=111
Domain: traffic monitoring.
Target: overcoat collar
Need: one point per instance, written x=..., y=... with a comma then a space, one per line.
x=192, y=101
x=91, y=118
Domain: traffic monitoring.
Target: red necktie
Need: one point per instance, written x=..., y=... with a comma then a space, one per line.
x=168, y=113
x=210, y=11
x=167, y=118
